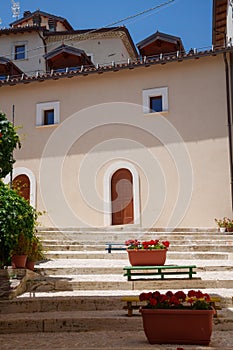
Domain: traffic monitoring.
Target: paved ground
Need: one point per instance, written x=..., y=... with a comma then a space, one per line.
x=102, y=340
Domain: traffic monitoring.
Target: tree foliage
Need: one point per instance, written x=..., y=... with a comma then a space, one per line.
x=9, y=140
x=17, y=217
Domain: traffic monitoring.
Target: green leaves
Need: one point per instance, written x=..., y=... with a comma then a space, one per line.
x=16, y=216
x=9, y=140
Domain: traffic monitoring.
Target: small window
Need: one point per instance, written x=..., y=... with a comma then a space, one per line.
x=155, y=100
x=19, y=52
x=156, y=104
x=48, y=113
x=49, y=117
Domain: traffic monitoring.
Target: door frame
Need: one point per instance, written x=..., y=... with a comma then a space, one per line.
x=32, y=180
x=107, y=191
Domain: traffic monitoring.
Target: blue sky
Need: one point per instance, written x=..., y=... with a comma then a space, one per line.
x=189, y=19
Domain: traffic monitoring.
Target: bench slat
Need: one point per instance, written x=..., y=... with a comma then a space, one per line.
x=159, y=271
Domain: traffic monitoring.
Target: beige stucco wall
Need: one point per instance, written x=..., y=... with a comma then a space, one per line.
x=102, y=123
x=35, y=50
x=103, y=50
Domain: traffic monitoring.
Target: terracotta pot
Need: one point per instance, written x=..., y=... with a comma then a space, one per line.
x=18, y=261
x=141, y=257
x=30, y=265
x=163, y=326
x=229, y=229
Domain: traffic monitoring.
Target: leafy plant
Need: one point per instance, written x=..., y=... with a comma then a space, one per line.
x=225, y=222
x=150, y=245
x=22, y=245
x=194, y=300
x=35, y=252
x=9, y=140
x=17, y=217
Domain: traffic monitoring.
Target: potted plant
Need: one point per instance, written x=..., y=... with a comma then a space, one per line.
x=20, y=251
x=222, y=223
x=229, y=225
x=35, y=253
x=147, y=253
x=177, y=318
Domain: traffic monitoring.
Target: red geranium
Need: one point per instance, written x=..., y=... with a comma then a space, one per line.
x=152, y=244
x=178, y=300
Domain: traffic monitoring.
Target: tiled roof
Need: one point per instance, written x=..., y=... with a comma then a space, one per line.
x=86, y=70
x=45, y=14
x=35, y=28
x=161, y=36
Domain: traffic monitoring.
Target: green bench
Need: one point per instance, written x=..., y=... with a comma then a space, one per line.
x=162, y=271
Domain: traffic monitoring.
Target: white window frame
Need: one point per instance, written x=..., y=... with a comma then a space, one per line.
x=41, y=107
x=19, y=43
x=148, y=93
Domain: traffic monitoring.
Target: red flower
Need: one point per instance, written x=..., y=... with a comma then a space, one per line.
x=0, y=135
x=169, y=294
x=166, y=243
x=153, y=301
x=180, y=295
x=174, y=300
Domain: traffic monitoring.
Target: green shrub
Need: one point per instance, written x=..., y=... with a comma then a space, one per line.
x=17, y=217
x=9, y=140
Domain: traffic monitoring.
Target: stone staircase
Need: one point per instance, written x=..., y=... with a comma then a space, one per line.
x=79, y=288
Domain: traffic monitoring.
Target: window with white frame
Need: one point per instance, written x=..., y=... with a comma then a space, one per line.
x=47, y=113
x=155, y=100
x=19, y=50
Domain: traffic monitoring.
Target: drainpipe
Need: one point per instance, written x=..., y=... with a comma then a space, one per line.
x=45, y=46
x=229, y=119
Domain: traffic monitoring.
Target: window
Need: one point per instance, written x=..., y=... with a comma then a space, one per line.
x=155, y=100
x=19, y=52
x=156, y=104
x=47, y=113
x=49, y=117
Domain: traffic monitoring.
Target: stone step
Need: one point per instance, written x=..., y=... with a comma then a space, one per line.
x=68, y=301
x=123, y=254
x=119, y=282
x=104, y=270
x=86, y=321
x=173, y=248
x=121, y=237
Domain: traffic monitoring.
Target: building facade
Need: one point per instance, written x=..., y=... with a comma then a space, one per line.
x=140, y=139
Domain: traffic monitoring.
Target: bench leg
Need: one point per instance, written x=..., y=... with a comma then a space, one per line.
x=130, y=309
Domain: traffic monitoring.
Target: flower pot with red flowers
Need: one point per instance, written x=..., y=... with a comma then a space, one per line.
x=147, y=253
x=177, y=318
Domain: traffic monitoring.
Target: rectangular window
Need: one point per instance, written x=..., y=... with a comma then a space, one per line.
x=156, y=104
x=20, y=52
x=155, y=100
x=49, y=117
x=48, y=113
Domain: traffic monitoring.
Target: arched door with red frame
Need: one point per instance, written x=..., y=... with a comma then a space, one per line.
x=21, y=184
x=122, y=197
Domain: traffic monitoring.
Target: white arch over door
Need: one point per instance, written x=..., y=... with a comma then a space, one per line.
x=25, y=171
x=107, y=191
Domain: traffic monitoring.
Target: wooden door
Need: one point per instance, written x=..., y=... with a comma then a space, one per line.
x=122, y=197
x=21, y=184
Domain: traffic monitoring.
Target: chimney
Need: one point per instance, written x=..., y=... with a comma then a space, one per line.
x=52, y=24
x=37, y=19
x=26, y=13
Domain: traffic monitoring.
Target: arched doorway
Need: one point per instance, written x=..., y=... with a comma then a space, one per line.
x=122, y=201
x=21, y=183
